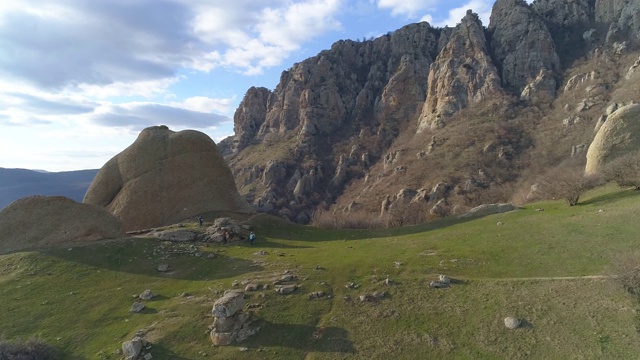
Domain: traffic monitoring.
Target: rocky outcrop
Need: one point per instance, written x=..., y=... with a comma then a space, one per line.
x=230, y=323
x=618, y=136
x=165, y=177
x=249, y=117
x=623, y=14
x=41, y=221
x=462, y=75
x=487, y=209
x=522, y=45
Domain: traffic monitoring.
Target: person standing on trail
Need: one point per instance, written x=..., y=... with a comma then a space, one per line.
x=252, y=238
x=200, y=220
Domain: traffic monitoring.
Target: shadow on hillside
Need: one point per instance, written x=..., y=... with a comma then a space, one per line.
x=303, y=337
x=305, y=233
x=160, y=352
x=610, y=197
x=137, y=257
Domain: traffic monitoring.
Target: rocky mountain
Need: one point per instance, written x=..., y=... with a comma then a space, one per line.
x=436, y=120
x=165, y=177
x=19, y=183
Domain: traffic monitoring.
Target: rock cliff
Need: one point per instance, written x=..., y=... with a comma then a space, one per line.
x=165, y=177
x=371, y=126
x=462, y=75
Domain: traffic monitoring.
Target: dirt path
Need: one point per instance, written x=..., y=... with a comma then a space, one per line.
x=587, y=277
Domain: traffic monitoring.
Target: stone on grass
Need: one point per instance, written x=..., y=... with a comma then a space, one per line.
x=163, y=267
x=445, y=279
x=132, y=348
x=227, y=305
x=286, y=289
x=146, y=295
x=512, y=322
x=137, y=307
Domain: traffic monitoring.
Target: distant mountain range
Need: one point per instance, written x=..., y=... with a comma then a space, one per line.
x=18, y=183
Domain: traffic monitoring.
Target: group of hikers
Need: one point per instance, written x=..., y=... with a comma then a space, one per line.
x=252, y=235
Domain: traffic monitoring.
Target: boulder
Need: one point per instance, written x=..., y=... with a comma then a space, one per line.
x=40, y=221
x=176, y=235
x=512, y=322
x=132, y=348
x=165, y=177
x=229, y=304
x=487, y=209
x=618, y=136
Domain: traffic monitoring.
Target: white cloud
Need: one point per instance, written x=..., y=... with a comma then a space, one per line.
x=408, y=8
x=480, y=7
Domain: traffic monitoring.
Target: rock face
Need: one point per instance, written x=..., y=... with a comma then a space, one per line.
x=624, y=14
x=619, y=135
x=362, y=120
x=461, y=76
x=165, y=177
x=522, y=45
x=39, y=221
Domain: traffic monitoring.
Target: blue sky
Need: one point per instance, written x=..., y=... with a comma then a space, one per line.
x=80, y=78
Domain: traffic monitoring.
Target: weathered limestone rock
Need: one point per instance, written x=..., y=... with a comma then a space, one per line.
x=230, y=323
x=462, y=74
x=137, y=307
x=176, y=235
x=39, y=221
x=146, y=295
x=132, y=348
x=512, y=323
x=618, y=136
x=249, y=117
x=229, y=304
x=522, y=44
x=165, y=177
x=487, y=209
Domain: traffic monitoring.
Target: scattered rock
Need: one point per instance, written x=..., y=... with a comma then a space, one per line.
x=512, y=323
x=137, y=307
x=351, y=285
x=437, y=285
x=286, y=289
x=252, y=287
x=163, y=267
x=444, y=279
x=176, y=235
x=146, y=295
x=316, y=295
x=132, y=348
x=261, y=253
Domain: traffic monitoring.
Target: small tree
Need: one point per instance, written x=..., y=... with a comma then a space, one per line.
x=624, y=171
x=568, y=182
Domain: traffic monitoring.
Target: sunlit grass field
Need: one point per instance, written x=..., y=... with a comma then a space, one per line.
x=543, y=267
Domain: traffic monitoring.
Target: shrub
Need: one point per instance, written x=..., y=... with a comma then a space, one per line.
x=624, y=171
x=627, y=273
x=568, y=182
x=30, y=349
x=325, y=219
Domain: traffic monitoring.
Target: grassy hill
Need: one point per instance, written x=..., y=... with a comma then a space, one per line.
x=541, y=266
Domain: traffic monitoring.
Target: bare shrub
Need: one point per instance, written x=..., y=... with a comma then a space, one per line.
x=326, y=219
x=568, y=181
x=405, y=213
x=30, y=349
x=626, y=268
x=624, y=171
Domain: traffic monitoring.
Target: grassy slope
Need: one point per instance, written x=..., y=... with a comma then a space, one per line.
x=78, y=299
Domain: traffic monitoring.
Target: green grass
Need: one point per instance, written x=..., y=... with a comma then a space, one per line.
x=78, y=299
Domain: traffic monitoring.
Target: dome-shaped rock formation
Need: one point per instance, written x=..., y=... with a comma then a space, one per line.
x=165, y=177
x=618, y=136
x=40, y=221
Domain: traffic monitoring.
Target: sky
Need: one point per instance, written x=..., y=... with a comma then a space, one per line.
x=79, y=79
